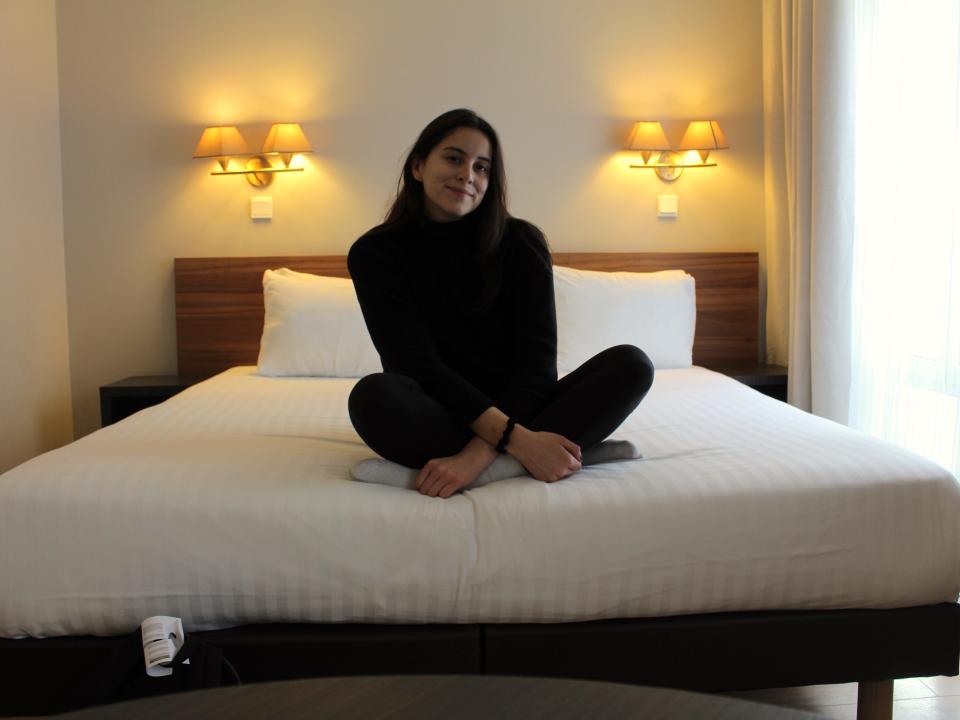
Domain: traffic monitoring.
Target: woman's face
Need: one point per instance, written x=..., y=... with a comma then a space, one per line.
x=455, y=174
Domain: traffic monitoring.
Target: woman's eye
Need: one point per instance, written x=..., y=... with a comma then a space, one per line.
x=453, y=158
x=483, y=169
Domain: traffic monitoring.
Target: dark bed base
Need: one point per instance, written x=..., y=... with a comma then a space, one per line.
x=729, y=651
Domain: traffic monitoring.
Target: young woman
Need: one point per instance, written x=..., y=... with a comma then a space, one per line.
x=458, y=298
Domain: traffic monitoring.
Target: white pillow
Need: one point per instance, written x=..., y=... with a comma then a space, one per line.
x=656, y=311
x=313, y=326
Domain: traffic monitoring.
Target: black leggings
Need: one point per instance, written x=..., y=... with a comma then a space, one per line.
x=400, y=422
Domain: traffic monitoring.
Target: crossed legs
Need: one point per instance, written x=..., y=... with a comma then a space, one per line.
x=403, y=424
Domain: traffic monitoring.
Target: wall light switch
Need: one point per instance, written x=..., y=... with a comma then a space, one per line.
x=667, y=206
x=261, y=207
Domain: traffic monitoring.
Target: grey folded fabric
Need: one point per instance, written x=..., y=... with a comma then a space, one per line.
x=384, y=472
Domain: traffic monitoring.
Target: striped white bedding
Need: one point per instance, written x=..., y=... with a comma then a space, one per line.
x=231, y=504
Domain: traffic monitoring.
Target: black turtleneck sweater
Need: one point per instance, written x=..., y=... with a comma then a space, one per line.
x=472, y=332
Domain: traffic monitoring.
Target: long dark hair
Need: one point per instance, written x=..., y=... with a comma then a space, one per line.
x=490, y=218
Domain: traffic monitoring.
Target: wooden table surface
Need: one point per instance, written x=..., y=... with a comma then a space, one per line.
x=448, y=697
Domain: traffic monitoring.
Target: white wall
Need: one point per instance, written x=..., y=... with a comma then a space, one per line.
x=34, y=363
x=561, y=81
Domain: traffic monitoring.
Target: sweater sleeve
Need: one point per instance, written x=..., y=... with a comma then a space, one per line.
x=533, y=366
x=401, y=335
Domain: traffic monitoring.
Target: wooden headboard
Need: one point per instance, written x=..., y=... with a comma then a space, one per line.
x=220, y=302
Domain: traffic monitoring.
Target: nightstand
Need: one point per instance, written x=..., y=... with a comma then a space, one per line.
x=769, y=379
x=125, y=397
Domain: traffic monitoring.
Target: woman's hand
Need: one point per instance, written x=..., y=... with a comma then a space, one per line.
x=442, y=477
x=547, y=456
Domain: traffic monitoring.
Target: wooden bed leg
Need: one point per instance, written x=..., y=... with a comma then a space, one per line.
x=875, y=700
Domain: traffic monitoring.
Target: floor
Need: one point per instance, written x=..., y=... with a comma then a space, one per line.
x=936, y=698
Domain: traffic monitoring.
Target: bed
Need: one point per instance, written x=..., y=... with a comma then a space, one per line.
x=753, y=545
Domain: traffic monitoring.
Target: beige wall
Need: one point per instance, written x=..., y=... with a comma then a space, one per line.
x=34, y=364
x=561, y=81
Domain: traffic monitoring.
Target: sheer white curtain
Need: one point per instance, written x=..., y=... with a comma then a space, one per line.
x=808, y=63
x=905, y=379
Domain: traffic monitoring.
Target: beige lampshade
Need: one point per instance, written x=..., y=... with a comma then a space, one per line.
x=647, y=136
x=220, y=142
x=703, y=136
x=286, y=139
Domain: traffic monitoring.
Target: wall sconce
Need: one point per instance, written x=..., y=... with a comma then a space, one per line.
x=225, y=142
x=704, y=136
x=221, y=142
x=647, y=136
x=701, y=135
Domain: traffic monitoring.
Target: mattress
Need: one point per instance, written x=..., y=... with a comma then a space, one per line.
x=231, y=504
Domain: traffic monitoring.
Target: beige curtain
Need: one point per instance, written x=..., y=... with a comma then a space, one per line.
x=808, y=79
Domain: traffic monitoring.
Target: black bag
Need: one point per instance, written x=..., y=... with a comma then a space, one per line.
x=123, y=676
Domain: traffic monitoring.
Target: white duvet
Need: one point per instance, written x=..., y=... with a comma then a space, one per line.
x=231, y=504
